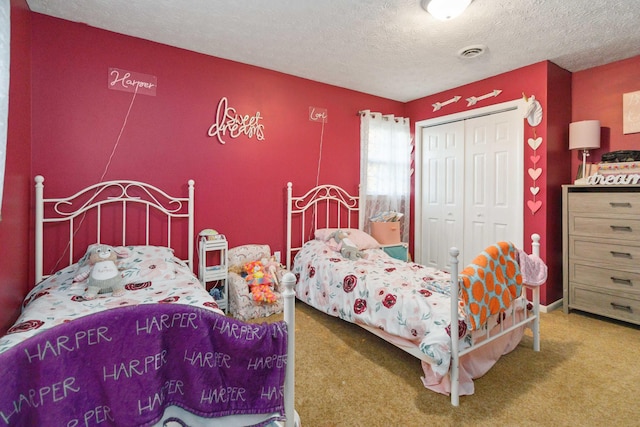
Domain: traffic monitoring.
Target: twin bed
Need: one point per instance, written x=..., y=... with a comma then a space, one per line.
x=164, y=353
x=161, y=354
x=407, y=304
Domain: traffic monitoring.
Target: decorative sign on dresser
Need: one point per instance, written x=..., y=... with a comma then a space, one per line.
x=601, y=256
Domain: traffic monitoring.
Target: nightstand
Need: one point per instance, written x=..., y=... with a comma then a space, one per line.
x=397, y=250
x=213, y=269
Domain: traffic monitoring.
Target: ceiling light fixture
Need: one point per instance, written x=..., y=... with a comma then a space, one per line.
x=445, y=10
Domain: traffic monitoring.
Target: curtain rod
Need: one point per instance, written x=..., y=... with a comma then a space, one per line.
x=384, y=116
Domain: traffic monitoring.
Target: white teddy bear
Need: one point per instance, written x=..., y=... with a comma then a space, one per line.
x=101, y=269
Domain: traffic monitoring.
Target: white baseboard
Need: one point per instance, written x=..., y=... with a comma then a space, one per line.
x=553, y=306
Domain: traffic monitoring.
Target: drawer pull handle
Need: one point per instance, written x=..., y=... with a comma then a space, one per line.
x=626, y=308
x=620, y=228
x=621, y=281
x=621, y=254
x=620, y=204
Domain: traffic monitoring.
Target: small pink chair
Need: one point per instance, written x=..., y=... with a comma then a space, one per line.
x=241, y=303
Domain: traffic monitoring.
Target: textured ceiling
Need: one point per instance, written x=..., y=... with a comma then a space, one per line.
x=389, y=48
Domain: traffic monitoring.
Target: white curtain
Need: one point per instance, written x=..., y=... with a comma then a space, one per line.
x=385, y=167
x=5, y=35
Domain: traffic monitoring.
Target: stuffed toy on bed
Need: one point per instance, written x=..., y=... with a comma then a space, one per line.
x=101, y=269
x=346, y=247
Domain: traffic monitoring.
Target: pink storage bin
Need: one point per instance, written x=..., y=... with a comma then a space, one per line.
x=386, y=233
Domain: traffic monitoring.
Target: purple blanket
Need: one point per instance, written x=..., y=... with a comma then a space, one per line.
x=123, y=367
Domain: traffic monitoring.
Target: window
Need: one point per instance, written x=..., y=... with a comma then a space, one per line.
x=385, y=167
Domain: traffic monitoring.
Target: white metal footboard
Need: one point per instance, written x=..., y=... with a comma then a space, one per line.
x=533, y=320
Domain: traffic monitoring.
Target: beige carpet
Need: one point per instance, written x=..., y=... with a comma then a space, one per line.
x=587, y=374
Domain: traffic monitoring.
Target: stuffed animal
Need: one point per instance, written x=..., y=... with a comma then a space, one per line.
x=260, y=283
x=271, y=266
x=101, y=269
x=346, y=247
x=216, y=293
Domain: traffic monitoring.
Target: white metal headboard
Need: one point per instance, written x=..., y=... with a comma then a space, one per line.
x=323, y=206
x=72, y=211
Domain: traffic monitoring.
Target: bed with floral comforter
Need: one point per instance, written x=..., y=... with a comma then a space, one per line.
x=152, y=275
x=407, y=302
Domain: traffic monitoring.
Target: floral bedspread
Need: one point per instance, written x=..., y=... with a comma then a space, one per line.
x=405, y=300
x=152, y=274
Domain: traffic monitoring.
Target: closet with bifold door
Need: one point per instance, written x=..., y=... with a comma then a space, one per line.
x=469, y=183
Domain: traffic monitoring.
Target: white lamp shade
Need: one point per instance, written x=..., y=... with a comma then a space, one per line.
x=584, y=135
x=446, y=9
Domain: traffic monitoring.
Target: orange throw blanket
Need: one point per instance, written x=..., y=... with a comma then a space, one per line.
x=490, y=283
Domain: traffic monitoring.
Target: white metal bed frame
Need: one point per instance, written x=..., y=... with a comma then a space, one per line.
x=325, y=199
x=71, y=210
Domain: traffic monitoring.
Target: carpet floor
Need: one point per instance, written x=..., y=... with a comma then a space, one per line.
x=585, y=375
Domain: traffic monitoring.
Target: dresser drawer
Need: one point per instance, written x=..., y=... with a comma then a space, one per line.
x=607, y=227
x=604, y=304
x=604, y=254
x=606, y=202
x=605, y=278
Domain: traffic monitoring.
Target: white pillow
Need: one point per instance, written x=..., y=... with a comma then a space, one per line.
x=361, y=239
x=143, y=263
x=146, y=263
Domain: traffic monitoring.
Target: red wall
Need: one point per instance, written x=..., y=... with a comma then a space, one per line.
x=558, y=112
x=597, y=95
x=15, y=223
x=240, y=185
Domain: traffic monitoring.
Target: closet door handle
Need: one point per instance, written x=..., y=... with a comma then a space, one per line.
x=619, y=281
x=626, y=308
x=620, y=204
x=620, y=228
x=621, y=254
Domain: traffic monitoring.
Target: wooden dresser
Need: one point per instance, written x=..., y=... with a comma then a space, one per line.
x=601, y=256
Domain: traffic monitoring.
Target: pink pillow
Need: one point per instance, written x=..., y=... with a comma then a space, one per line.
x=361, y=239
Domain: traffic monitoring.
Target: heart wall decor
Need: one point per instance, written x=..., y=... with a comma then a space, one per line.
x=534, y=173
x=534, y=205
x=535, y=143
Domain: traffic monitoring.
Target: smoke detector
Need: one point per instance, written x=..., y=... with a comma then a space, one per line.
x=472, y=51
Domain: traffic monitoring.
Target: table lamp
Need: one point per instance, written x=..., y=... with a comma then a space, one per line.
x=584, y=135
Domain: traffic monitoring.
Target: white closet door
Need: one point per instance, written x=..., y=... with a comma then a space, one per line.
x=493, y=182
x=471, y=186
x=442, y=192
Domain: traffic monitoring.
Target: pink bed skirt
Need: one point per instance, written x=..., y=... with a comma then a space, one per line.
x=478, y=362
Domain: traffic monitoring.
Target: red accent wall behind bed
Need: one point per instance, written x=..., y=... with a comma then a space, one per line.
x=16, y=220
x=240, y=185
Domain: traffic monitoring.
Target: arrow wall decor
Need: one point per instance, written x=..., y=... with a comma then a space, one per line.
x=439, y=105
x=473, y=99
